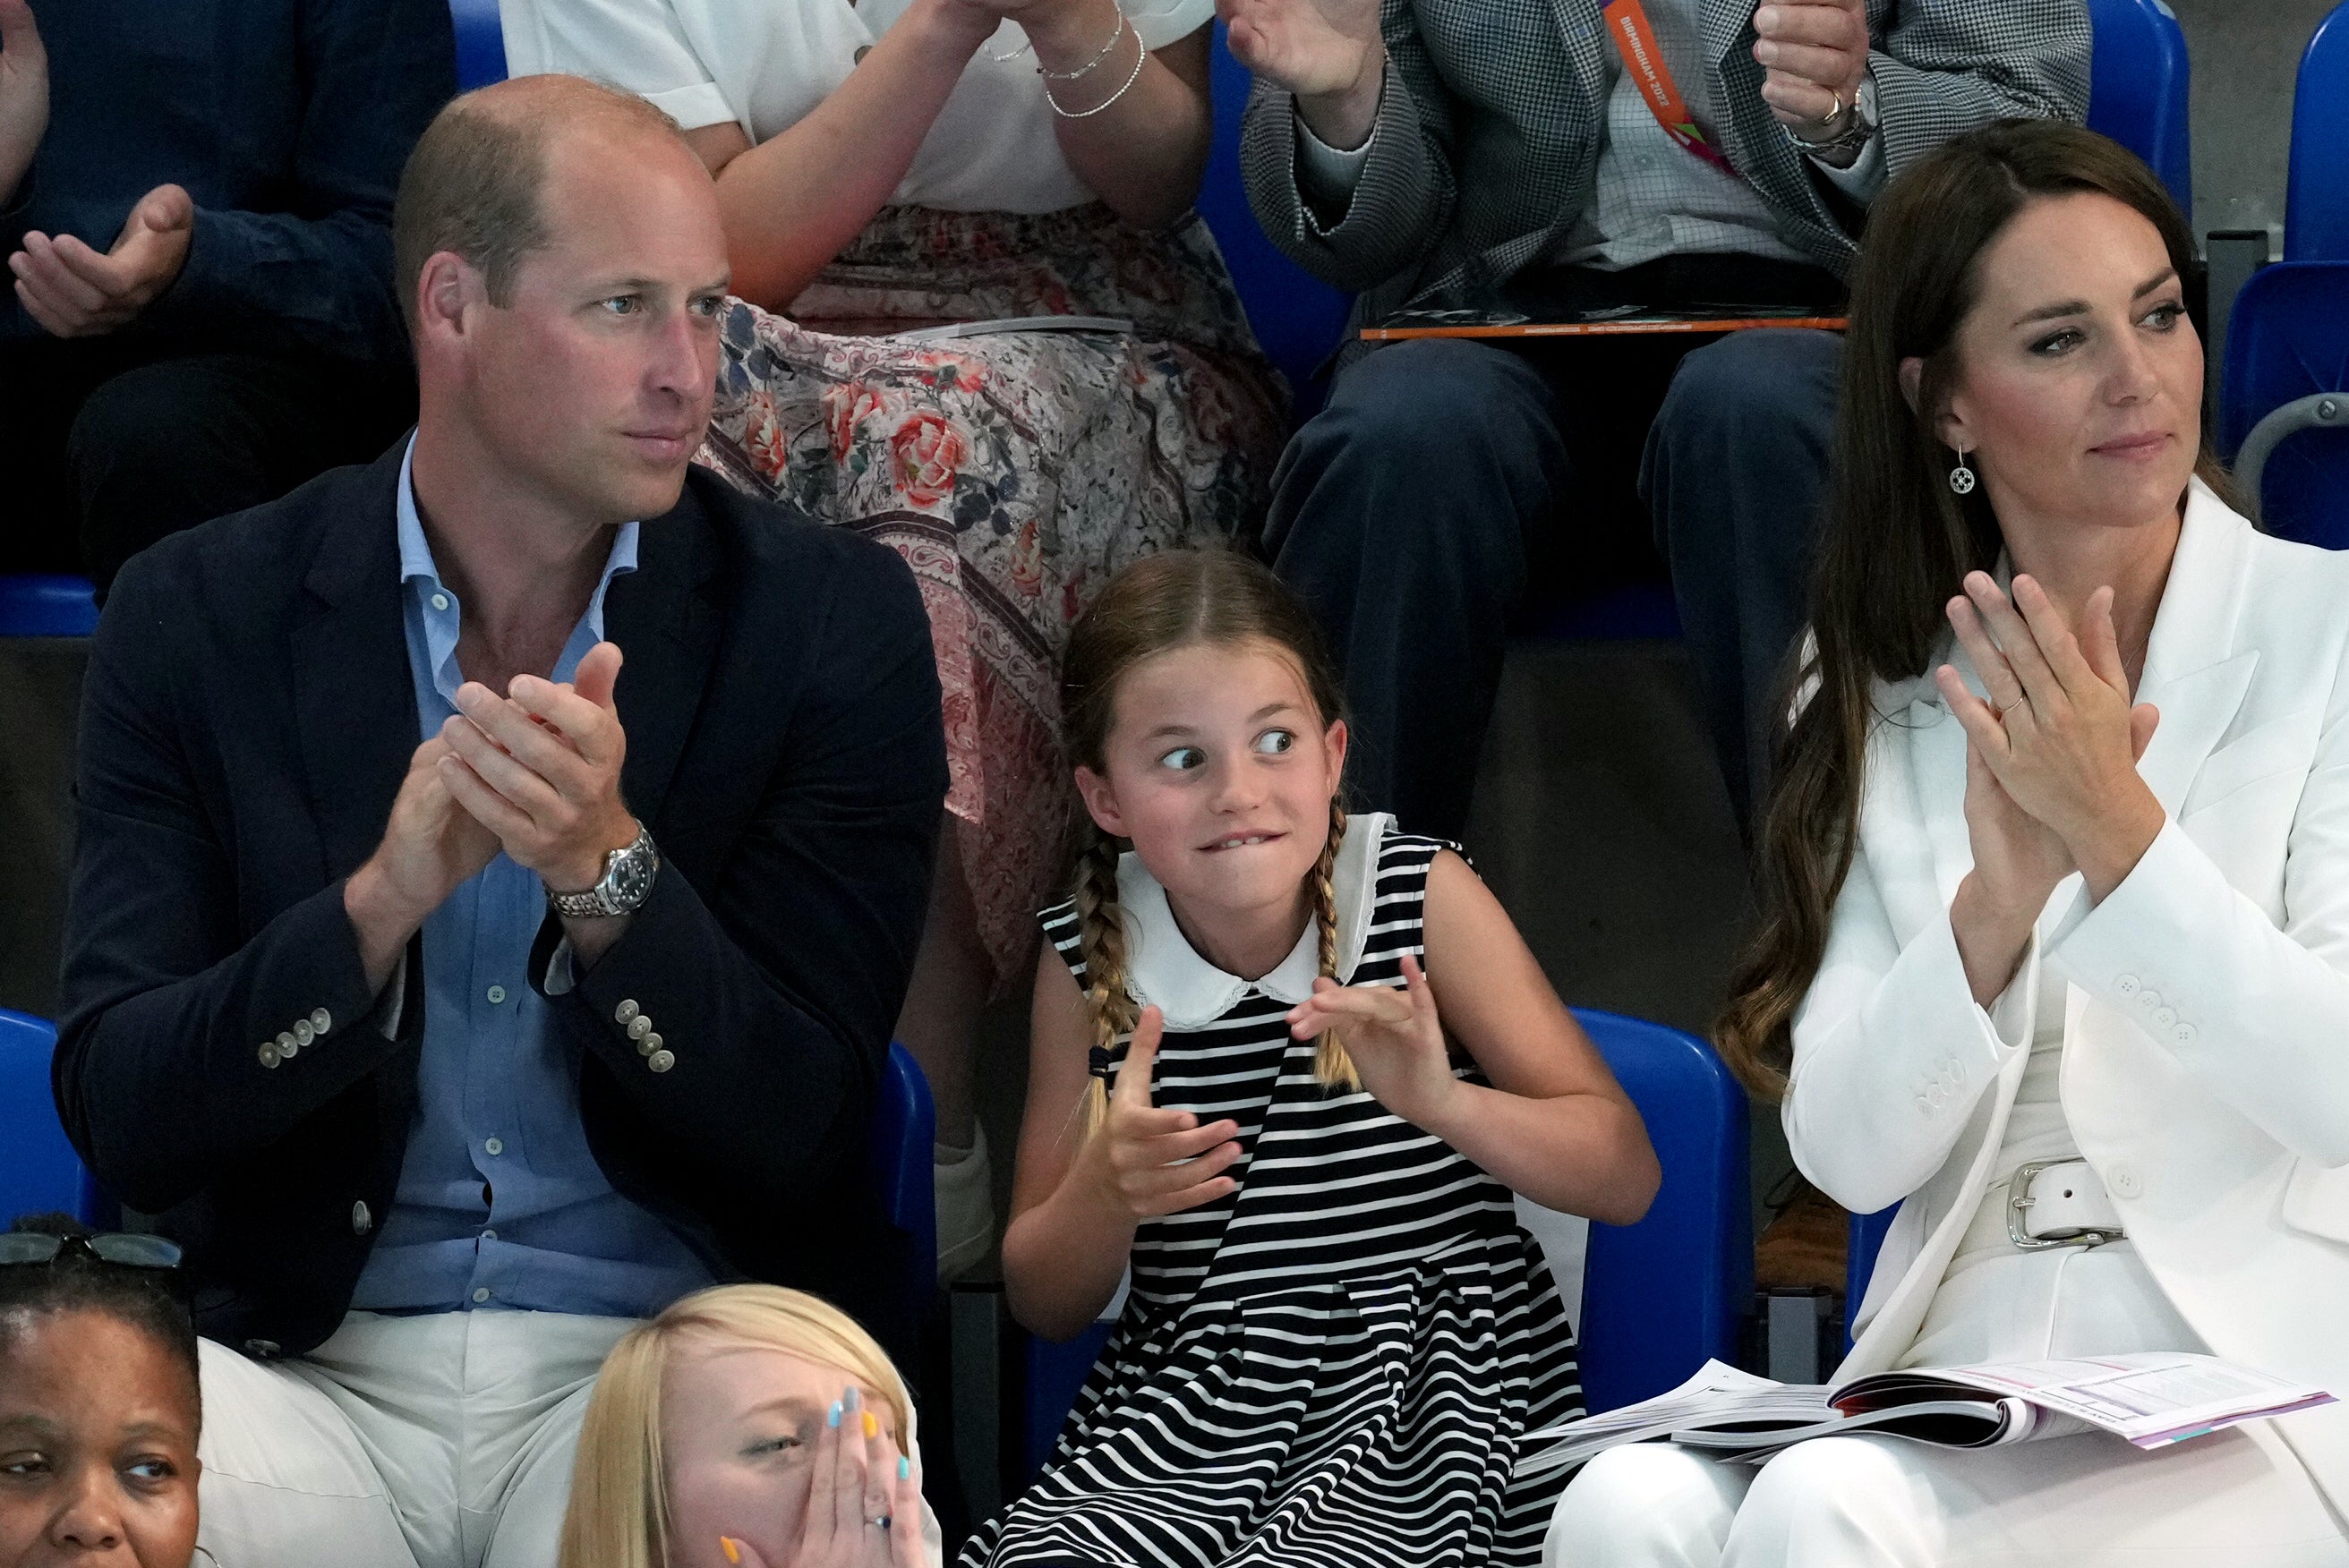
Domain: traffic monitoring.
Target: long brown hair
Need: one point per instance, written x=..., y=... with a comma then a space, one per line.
x=1180, y=598
x=1898, y=542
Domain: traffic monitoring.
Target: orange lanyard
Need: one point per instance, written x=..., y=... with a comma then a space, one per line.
x=1635, y=41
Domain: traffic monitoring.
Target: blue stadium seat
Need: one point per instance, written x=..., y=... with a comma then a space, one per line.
x=46, y=604
x=1866, y=1240
x=905, y=1133
x=39, y=1172
x=2316, y=198
x=1659, y=1298
x=1296, y=316
x=481, y=46
x=2284, y=405
x=2136, y=89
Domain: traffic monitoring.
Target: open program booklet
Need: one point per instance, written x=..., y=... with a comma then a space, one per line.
x=2152, y=1400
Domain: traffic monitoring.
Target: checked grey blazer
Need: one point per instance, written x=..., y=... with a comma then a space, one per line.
x=1487, y=138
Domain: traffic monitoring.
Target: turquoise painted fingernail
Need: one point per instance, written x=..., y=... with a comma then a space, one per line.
x=834, y=1419
x=905, y=1467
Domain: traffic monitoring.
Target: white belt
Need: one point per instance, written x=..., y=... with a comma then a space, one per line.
x=2060, y=1204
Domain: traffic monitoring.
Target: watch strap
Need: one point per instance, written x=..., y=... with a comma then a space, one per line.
x=599, y=902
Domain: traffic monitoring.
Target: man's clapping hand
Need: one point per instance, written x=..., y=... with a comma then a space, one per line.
x=430, y=846
x=1327, y=52
x=1814, y=54
x=540, y=767
x=24, y=93
x=74, y=292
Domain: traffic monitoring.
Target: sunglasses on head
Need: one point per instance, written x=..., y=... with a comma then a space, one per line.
x=120, y=1247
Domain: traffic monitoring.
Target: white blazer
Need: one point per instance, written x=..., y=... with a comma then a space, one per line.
x=2206, y=1057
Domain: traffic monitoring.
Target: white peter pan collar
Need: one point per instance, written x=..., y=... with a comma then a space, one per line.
x=1165, y=971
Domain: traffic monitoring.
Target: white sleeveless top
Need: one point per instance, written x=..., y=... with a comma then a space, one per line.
x=764, y=64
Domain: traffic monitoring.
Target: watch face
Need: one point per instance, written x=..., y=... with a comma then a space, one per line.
x=630, y=878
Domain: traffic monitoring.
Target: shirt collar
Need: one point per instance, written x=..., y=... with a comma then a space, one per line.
x=1166, y=972
x=437, y=602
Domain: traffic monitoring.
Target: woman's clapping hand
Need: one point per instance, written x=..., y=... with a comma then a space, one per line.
x=2051, y=754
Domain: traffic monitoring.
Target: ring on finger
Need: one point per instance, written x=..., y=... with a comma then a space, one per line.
x=883, y=1522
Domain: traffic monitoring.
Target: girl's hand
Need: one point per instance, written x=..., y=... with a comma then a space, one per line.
x=2059, y=734
x=1148, y=1161
x=1394, y=1035
x=864, y=1501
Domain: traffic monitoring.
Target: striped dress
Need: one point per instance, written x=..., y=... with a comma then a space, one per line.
x=1332, y=1366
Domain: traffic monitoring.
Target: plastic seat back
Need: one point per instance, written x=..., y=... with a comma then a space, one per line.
x=39, y=1172
x=2287, y=354
x=1661, y=1297
x=1296, y=316
x=46, y=604
x=902, y=1149
x=2316, y=193
x=480, y=46
x=2136, y=91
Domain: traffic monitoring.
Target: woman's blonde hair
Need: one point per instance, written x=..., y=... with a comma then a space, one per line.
x=618, y=1513
x=1177, y=599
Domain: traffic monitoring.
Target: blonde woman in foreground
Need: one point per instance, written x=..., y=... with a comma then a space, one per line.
x=748, y=1427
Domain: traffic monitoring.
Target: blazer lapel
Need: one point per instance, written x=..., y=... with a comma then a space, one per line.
x=667, y=623
x=2192, y=673
x=354, y=697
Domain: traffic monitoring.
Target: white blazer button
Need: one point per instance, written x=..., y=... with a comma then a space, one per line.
x=269, y=1057
x=661, y=1061
x=320, y=1020
x=640, y=1026
x=2126, y=985
x=649, y=1045
x=2164, y=1016
x=361, y=1221
x=304, y=1032
x=1924, y=1106
x=2183, y=1034
x=626, y=1013
x=287, y=1045
x=2123, y=1181
x=2148, y=1000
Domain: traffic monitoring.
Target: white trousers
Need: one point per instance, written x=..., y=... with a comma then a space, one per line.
x=2239, y=1496
x=437, y=1441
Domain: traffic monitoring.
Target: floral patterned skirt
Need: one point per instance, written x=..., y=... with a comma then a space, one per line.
x=1016, y=472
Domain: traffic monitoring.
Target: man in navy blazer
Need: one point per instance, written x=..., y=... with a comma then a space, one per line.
x=490, y=910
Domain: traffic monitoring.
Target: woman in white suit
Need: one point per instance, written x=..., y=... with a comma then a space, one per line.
x=2056, y=897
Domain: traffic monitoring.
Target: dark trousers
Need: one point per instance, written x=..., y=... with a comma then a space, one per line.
x=108, y=444
x=1412, y=510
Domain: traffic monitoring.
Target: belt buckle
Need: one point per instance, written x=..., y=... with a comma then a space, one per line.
x=2018, y=1199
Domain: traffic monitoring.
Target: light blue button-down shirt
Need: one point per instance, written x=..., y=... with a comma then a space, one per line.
x=499, y=1203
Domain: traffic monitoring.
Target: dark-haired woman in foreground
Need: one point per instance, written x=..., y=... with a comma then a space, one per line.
x=99, y=1403
x=2057, y=875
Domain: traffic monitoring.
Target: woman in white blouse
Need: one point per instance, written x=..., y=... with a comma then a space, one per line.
x=893, y=165
x=2055, y=906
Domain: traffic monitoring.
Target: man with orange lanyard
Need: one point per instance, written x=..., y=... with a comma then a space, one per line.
x=1660, y=153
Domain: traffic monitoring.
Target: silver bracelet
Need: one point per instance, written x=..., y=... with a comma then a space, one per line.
x=1087, y=68
x=1141, y=58
x=1007, y=59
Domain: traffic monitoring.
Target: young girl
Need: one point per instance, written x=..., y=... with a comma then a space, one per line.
x=1242, y=1086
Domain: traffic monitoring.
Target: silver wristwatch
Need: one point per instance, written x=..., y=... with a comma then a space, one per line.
x=626, y=882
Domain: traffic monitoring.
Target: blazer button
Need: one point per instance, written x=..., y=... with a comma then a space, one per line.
x=2123, y=1181
x=2126, y=985
x=2183, y=1034
x=2148, y=1000
x=305, y=1031
x=289, y=1047
x=2164, y=1016
x=261, y=1350
x=650, y=1046
x=320, y=1020
x=269, y=1057
x=626, y=1013
x=661, y=1061
x=640, y=1026
x=361, y=1221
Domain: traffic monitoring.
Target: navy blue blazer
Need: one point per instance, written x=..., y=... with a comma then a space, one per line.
x=247, y=719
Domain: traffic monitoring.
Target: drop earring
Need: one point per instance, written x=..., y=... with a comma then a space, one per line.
x=1962, y=477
